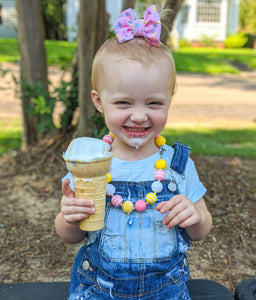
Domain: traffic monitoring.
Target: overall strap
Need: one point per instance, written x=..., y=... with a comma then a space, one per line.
x=180, y=157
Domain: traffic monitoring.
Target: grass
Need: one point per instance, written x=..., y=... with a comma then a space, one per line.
x=216, y=141
x=206, y=60
x=58, y=53
x=213, y=60
x=10, y=135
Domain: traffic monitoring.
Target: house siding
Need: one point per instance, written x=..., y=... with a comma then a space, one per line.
x=8, y=27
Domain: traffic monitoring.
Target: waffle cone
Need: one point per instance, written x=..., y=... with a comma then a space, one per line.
x=90, y=183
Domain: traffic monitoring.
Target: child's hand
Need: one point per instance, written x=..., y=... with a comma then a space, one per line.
x=182, y=212
x=74, y=209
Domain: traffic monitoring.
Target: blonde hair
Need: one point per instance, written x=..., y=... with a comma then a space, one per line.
x=137, y=49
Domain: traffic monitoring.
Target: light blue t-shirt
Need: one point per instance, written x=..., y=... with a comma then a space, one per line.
x=143, y=170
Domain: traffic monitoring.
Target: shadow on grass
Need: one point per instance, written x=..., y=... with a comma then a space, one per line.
x=221, y=142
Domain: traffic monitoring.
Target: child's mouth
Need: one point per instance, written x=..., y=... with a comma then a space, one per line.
x=136, y=131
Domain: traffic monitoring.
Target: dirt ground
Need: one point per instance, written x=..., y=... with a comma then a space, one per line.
x=30, y=250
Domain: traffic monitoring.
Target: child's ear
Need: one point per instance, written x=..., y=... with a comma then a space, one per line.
x=96, y=100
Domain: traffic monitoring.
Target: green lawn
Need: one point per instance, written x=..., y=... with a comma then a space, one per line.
x=206, y=60
x=215, y=141
x=58, y=52
x=213, y=60
x=10, y=135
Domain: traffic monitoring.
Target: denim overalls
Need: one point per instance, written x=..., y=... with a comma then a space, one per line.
x=135, y=256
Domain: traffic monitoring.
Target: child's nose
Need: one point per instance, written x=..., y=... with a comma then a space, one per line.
x=139, y=115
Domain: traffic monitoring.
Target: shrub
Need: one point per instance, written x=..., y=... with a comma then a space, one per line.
x=236, y=40
x=208, y=40
x=184, y=43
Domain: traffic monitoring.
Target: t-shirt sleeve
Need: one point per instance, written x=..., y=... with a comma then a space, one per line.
x=70, y=177
x=191, y=186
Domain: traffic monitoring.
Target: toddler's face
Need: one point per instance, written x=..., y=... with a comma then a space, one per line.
x=135, y=101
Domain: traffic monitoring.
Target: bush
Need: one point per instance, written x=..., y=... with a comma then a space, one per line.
x=208, y=40
x=185, y=43
x=236, y=40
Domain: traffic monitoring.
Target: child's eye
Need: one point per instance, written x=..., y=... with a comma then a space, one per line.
x=154, y=104
x=122, y=104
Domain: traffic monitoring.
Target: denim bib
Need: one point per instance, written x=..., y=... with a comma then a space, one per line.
x=135, y=256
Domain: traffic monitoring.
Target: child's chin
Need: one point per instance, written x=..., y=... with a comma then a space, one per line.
x=136, y=142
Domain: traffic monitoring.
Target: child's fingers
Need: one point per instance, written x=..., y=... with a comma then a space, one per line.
x=75, y=209
x=72, y=210
x=66, y=189
x=175, y=201
x=171, y=219
x=160, y=205
x=76, y=202
x=165, y=206
x=73, y=218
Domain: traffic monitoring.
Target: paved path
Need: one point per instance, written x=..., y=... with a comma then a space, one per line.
x=199, y=99
x=203, y=98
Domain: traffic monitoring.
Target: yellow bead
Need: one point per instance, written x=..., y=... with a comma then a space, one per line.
x=151, y=198
x=160, y=164
x=111, y=134
x=160, y=141
x=127, y=206
x=109, y=178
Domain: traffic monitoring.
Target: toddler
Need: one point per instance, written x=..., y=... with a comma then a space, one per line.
x=154, y=202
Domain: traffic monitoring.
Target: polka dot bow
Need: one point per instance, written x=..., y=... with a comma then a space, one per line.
x=127, y=26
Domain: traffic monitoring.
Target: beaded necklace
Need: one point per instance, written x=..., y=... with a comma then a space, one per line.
x=156, y=187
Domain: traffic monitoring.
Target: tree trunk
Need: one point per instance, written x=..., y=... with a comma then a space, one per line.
x=127, y=4
x=93, y=31
x=170, y=11
x=33, y=61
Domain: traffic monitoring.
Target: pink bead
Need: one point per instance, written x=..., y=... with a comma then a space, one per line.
x=159, y=175
x=140, y=205
x=108, y=139
x=117, y=200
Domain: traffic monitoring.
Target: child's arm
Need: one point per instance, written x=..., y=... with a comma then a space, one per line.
x=72, y=211
x=194, y=217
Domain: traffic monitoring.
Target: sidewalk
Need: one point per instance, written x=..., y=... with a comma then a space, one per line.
x=203, y=98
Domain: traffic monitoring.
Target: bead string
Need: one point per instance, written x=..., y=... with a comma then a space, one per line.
x=156, y=187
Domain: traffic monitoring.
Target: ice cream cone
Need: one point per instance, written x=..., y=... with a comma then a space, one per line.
x=90, y=183
x=89, y=160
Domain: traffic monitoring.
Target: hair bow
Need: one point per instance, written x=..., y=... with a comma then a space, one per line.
x=127, y=26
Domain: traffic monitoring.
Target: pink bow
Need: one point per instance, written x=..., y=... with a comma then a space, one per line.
x=127, y=26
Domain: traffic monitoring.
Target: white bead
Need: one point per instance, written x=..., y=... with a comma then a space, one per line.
x=110, y=189
x=157, y=186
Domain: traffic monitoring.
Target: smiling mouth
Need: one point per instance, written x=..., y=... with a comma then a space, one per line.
x=136, y=131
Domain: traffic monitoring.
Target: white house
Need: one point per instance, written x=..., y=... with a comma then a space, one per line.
x=8, y=20
x=212, y=18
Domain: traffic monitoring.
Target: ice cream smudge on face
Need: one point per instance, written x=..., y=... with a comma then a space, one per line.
x=86, y=149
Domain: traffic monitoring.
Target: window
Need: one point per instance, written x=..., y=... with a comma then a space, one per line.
x=1, y=20
x=208, y=11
